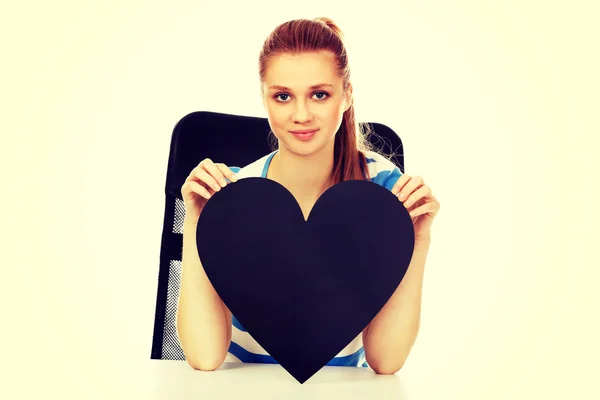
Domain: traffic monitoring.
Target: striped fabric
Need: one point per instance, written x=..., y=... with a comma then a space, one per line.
x=243, y=347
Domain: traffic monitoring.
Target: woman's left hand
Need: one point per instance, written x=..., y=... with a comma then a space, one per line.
x=419, y=201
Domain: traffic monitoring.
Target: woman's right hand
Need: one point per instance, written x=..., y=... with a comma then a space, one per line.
x=201, y=184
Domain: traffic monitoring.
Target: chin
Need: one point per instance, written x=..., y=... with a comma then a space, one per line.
x=305, y=149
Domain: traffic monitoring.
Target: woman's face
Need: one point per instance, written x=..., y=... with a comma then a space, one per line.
x=293, y=104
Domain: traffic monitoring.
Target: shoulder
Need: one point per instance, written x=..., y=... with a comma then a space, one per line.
x=381, y=170
x=256, y=169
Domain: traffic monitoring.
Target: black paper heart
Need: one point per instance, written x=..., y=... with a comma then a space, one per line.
x=304, y=289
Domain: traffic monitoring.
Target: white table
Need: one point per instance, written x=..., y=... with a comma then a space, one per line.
x=174, y=380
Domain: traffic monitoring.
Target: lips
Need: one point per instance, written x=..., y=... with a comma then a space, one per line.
x=305, y=134
x=305, y=131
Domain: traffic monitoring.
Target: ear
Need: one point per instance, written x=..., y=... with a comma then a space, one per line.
x=349, y=98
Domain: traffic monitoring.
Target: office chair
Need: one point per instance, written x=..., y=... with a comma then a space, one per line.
x=224, y=138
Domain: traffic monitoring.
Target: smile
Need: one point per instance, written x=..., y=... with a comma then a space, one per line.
x=304, y=135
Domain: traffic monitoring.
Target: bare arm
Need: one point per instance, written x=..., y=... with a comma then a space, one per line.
x=203, y=320
x=390, y=336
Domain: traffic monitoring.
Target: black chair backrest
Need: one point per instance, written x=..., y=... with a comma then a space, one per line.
x=235, y=141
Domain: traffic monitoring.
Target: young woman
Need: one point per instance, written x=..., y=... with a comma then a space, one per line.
x=307, y=93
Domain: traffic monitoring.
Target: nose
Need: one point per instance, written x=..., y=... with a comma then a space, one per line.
x=301, y=113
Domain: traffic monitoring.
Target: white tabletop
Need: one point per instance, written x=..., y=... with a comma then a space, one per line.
x=267, y=381
x=173, y=380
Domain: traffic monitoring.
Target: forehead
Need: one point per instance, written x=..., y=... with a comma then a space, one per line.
x=302, y=70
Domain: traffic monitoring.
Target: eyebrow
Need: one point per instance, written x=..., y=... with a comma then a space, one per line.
x=317, y=86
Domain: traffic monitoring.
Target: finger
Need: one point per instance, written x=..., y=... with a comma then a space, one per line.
x=418, y=194
x=199, y=189
x=192, y=176
x=215, y=172
x=400, y=184
x=206, y=178
x=424, y=209
x=410, y=187
x=227, y=172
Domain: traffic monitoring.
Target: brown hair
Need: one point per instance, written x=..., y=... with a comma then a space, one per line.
x=316, y=35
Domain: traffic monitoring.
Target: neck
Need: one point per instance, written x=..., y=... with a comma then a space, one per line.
x=306, y=177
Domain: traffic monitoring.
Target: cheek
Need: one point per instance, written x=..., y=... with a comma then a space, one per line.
x=330, y=114
x=336, y=114
x=275, y=116
x=276, y=112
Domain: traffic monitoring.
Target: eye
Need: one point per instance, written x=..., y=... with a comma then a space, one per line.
x=280, y=94
x=276, y=97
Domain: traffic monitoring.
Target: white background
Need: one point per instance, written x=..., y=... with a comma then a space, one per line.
x=496, y=103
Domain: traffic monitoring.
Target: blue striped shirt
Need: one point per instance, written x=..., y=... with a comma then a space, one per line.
x=243, y=347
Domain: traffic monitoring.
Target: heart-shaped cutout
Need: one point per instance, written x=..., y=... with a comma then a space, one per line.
x=304, y=289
